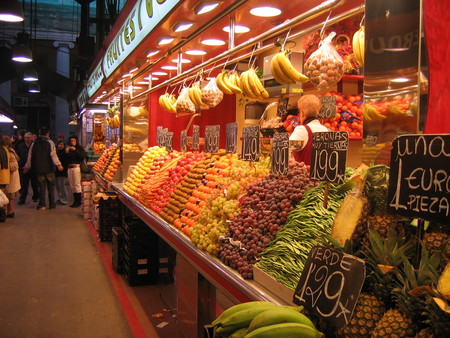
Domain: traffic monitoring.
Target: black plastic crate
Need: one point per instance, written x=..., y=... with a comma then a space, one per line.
x=141, y=274
x=117, y=249
x=110, y=202
x=135, y=252
x=105, y=235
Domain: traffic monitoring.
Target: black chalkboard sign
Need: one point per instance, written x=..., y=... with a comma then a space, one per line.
x=250, y=144
x=280, y=154
x=282, y=106
x=330, y=284
x=328, y=156
x=169, y=141
x=195, y=137
x=183, y=141
x=212, y=138
x=232, y=131
x=419, y=179
x=328, y=109
x=159, y=136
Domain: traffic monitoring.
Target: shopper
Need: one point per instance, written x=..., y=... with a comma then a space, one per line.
x=76, y=155
x=309, y=108
x=19, y=140
x=43, y=159
x=11, y=189
x=61, y=176
x=25, y=179
x=4, y=175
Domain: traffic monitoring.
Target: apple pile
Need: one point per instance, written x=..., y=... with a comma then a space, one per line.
x=112, y=165
x=264, y=210
x=101, y=164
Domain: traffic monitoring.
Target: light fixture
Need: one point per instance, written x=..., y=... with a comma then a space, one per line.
x=237, y=29
x=160, y=73
x=206, y=6
x=195, y=52
x=34, y=88
x=400, y=79
x=168, y=67
x=15, y=127
x=165, y=40
x=5, y=119
x=265, y=11
x=182, y=61
x=181, y=26
x=11, y=11
x=152, y=52
x=213, y=42
x=30, y=74
x=21, y=52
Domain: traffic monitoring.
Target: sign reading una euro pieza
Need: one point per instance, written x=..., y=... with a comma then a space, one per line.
x=419, y=178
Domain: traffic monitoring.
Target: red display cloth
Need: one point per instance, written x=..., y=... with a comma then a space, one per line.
x=437, y=35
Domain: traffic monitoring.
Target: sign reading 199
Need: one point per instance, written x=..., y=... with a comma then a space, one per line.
x=250, y=143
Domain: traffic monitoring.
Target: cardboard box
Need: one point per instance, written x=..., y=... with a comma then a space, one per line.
x=274, y=286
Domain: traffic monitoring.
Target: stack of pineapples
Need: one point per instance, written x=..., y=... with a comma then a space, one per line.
x=407, y=291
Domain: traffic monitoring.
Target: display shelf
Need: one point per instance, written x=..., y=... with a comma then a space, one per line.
x=218, y=274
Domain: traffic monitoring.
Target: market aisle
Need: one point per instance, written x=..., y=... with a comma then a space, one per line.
x=52, y=282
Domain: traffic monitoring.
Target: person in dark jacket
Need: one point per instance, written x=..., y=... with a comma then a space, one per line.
x=25, y=179
x=61, y=176
x=43, y=159
x=75, y=155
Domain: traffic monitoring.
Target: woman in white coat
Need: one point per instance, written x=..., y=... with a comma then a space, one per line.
x=12, y=189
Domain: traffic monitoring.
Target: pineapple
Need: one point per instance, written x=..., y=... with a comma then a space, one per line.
x=395, y=323
x=425, y=333
x=376, y=188
x=368, y=311
x=438, y=319
x=444, y=282
x=382, y=223
x=438, y=241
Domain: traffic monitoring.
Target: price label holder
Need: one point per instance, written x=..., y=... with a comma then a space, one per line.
x=328, y=109
x=328, y=157
x=169, y=141
x=159, y=136
x=183, y=141
x=330, y=285
x=232, y=131
x=250, y=144
x=195, y=137
x=212, y=138
x=280, y=154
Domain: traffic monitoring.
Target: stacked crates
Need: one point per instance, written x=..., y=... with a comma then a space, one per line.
x=109, y=215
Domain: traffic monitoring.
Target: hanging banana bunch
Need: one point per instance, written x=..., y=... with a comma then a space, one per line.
x=113, y=119
x=228, y=82
x=195, y=95
x=251, y=85
x=167, y=102
x=283, y=71
x=358, y=45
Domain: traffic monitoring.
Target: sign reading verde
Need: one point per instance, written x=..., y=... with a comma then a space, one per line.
x=142, y=19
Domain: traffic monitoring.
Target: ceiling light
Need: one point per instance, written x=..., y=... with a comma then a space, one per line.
x=30, y=74
x=165, y=40
x=213, y=42
x=169, y=67
x=159, y=73
x=5, y=119
x=152, y=52
x=133, y=70
x=34, y=88
x=11, y=11
x=21, y=53
x=205, y=6
x=195, y=52
x=265, y=11
x=182, y=61
x=181, y=26
x=237, y=29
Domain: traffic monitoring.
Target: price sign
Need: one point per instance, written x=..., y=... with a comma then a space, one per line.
x=250, y=144
x=212, y=137
x=282, y=106
x=195, y=137
x=419, y=178
x=328, y=156
x=159, y=136
x=280, y=154
x=169, y=141
x=183, y=141
x=328, y=109
x=330, y=284
x=232, y=131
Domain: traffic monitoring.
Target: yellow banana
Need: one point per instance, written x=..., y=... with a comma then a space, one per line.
x=162, y=102
x=285, y=330
x=236, y=308
x=221, y=84
x=276, y=71
x=257, y=86
x=234, y=78
x=251, y=81
x=230, y=85
x=288, y=69
x=239, y=333
x=245, y=86
x=168, y=103
x=358, y=45
x=279, y=315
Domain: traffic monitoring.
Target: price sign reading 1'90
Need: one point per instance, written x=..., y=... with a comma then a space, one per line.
x=232, y=130
x=183, y=141
x=250, y=143
x=195, y=137
x=212, y=137
x=329, y=153
x=280, y=154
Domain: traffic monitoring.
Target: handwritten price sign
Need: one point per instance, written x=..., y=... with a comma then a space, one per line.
x=195, y=137
x=280, y=154
x=183, y=141
x=250, y=144
x=232, y=131
x=212, y=137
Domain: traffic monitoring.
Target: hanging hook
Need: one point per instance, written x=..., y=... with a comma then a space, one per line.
x=362, y=20
x=283, y=44
x=251, y=55
x=324, y=25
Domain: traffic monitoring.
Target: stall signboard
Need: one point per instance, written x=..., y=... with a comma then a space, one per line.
x=282, y=106
x=250, y=144
x=183, y=141
x=419, y=178
x=195, y=137
x=280, y=154
x=328, y=109
x=212, y=138
x=232, y=131
x=330, y=284
x=328, y=156
x=95, y=80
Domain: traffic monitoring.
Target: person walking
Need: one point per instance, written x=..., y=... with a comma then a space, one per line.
x=11, y=189
x=5, y=176
x=25, y=179
x=43, y=159
x=76, y=155
x=61, y=176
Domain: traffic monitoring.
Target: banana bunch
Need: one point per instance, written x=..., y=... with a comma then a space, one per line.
x=195, y=95
x=251, y=85
x=371, y=113
x=358, y=45
x=113, y=119
x=167, y=102
x=283, y=71
x=264, y=319
x=228, y=82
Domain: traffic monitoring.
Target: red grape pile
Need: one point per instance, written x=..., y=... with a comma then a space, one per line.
x=264, y=210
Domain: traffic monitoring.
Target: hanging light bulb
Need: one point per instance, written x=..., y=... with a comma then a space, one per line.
x=30, y=74
x=34, y=88
x=21, y=52
x=11, y=11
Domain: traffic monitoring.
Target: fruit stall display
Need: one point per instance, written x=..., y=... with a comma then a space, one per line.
x=108, y=163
